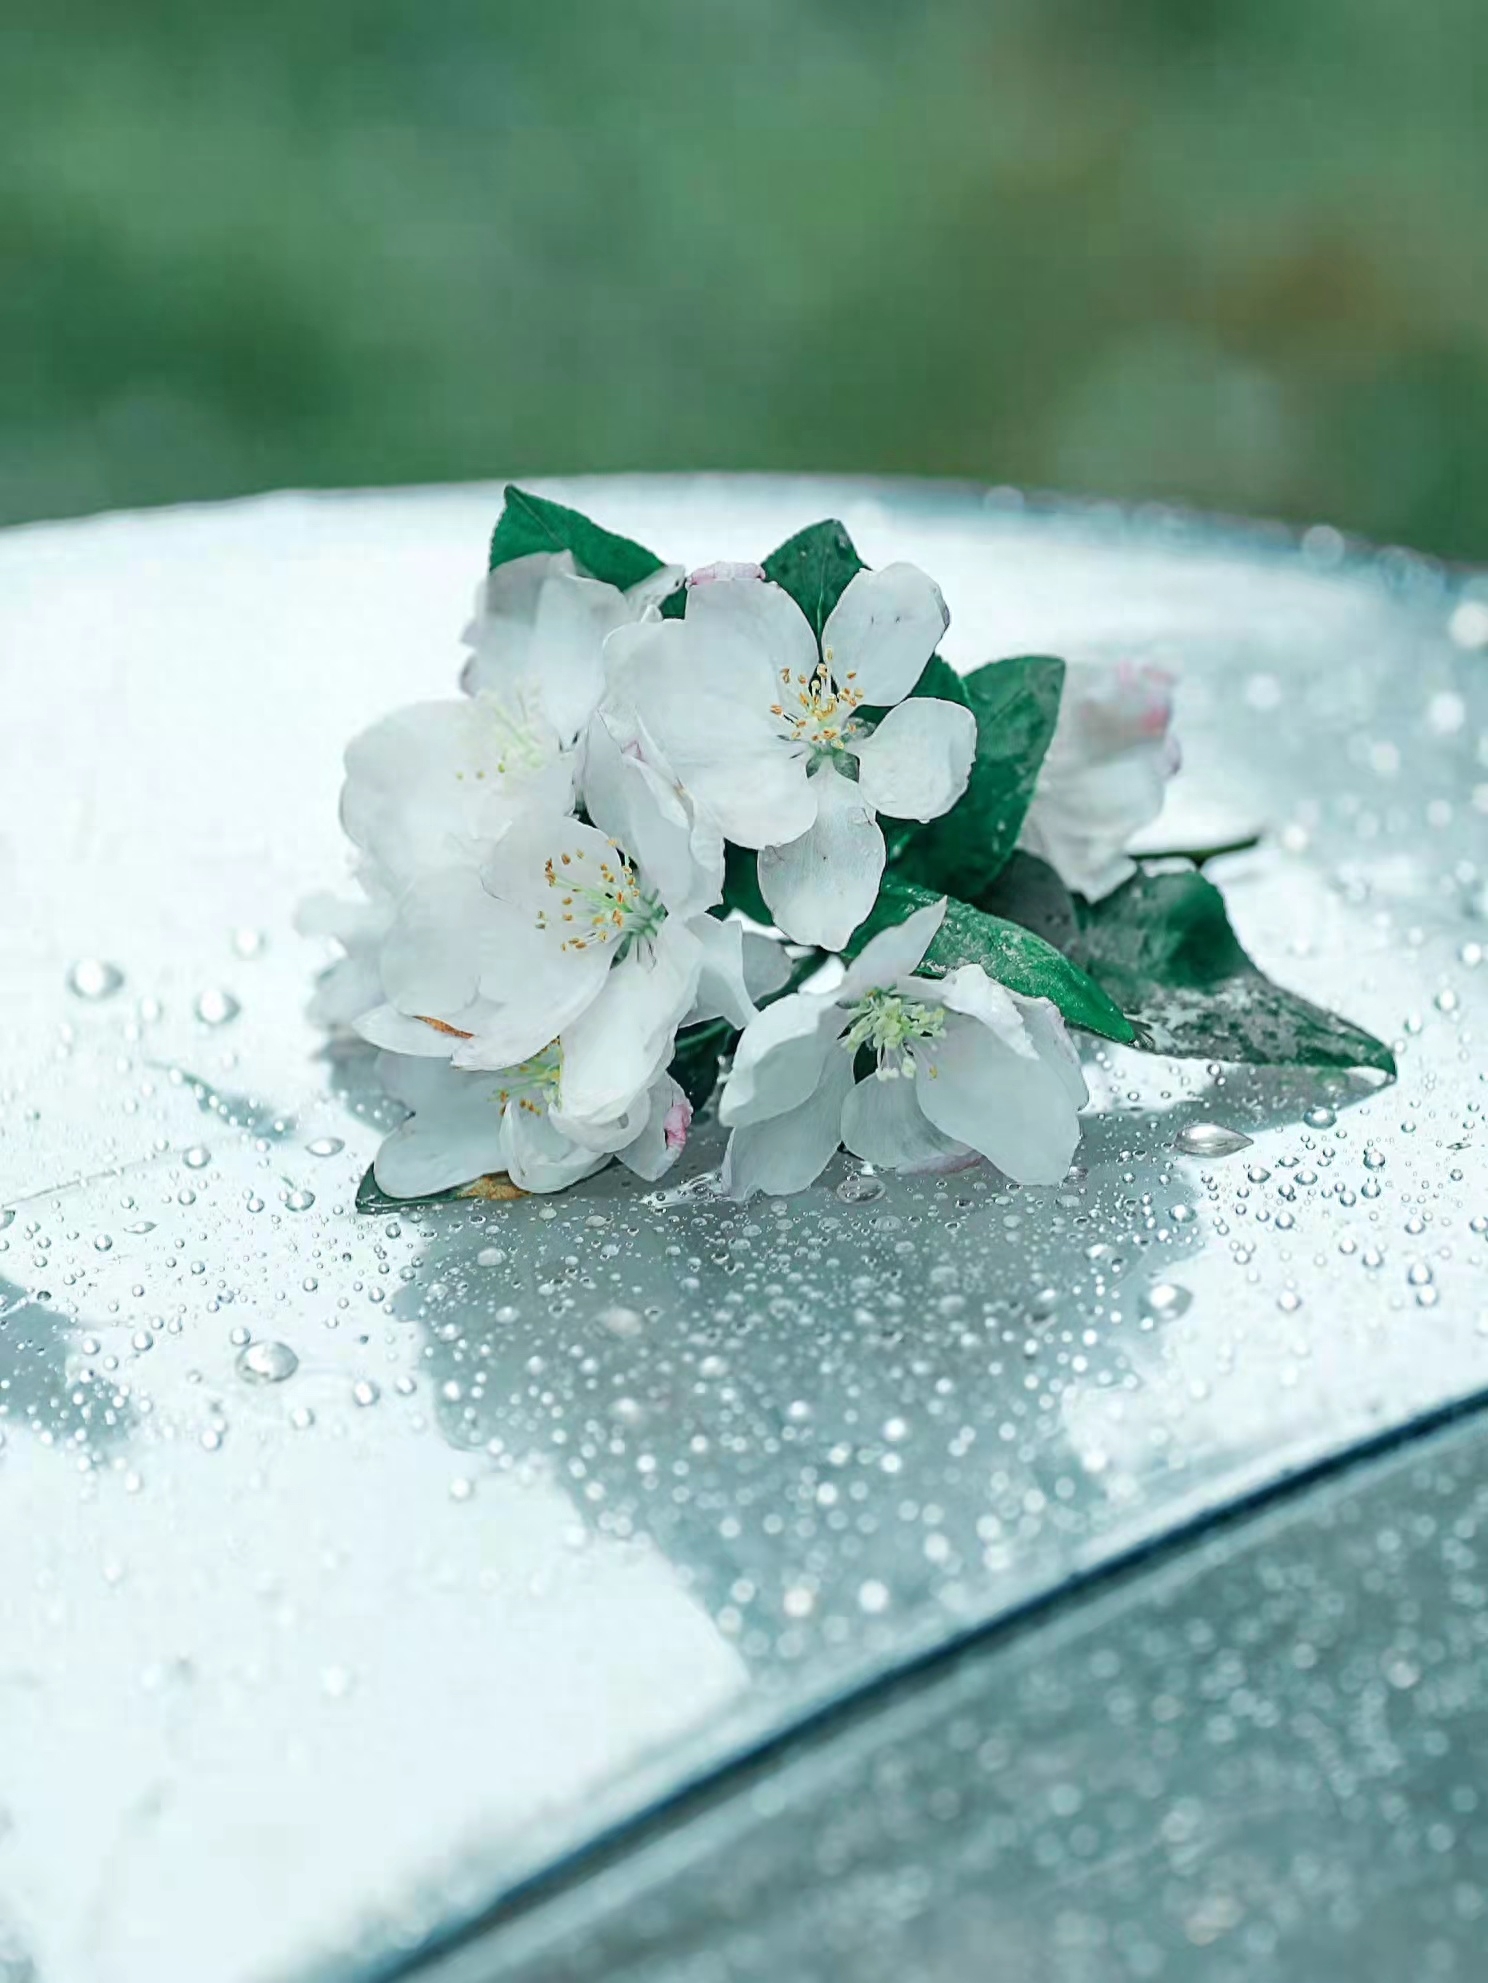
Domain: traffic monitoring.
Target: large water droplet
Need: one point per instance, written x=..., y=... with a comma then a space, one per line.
x=216, y=1007
x=197, y=1157
x=859, y=1188
x=325, y=1146
x=621, y=1321
x=299, y=1201
x=1210, y=1139
x=267, y=1363
x=1165, y=1301
x=93, y=978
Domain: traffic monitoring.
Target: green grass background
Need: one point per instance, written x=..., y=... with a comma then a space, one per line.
x=1232, y=252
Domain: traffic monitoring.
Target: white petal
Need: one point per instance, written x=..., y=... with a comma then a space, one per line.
x=883, y=1123
x=722, y=991
x=429, y=781
x=635, y=803
x=821, y=886
x=766, y=964
x=883, y=630
x=1013, y=1106
x=538, y=637
x=779, y=1059
x=615, y=1050
x=1105, y=775
x=540, y=1158
x=703, y=688
x=455, y=1135
x=917, y=762
x=658, y=1146
x=892, y=954
x=790, y=1151
x=385, y=1026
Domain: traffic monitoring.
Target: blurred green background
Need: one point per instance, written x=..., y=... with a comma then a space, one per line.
x=1233, y=254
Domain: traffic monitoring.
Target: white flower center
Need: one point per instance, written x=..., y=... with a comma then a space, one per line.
x=599, y=901
x=516, y=736
x=890, y=1025
x=816, y=711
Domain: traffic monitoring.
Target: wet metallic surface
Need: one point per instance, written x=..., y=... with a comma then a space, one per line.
x=565, y=1500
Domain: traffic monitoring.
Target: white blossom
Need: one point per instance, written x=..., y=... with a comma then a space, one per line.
x=963, y=1067
x=1105, y=774
x=767, y=735
x=539, y=631
x=466, y=1125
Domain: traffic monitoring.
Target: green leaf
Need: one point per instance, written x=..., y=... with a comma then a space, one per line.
x=1016, y=705
x=674, y=606
x=815, y=567
x=531, y=523
x=1162, y=944
x=1028, y=891
x=1015, y=957
x=940, y=679
x=741, y=889
x=695, y=1062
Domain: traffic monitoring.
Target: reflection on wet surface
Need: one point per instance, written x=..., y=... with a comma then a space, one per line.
x=357, y=1563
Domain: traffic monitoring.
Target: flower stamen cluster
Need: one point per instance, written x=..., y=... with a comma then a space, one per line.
x=824, y=716
x=616, y=906
x=889, y=1024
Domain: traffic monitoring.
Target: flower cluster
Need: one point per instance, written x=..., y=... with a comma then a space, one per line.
x=651, y=831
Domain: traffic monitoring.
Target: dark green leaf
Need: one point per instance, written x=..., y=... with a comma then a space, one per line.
x=1016, y=705
x=1015, y=957
x=741, y=889
x=941, y=680
x=531, y=523
x=695, y=1063
x=1028, y=891
x=674, y=606
x=1163, y=945
x=815, y=567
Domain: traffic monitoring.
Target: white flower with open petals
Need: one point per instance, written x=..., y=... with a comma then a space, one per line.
x=539, y=632
x=963, y=1068
x=1105, y=774
x=768, y=734
x=559, y=934
x=466, y=1125
x=430, y=782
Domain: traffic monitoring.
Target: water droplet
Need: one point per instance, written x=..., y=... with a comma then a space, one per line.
x=1322, y=1117
x=1446, y=1000
x=103, y=1242
x=1210, y=1139
x=1374, y=1160
x=621, y=1321
x=141, y=1341
x=197, y=1157
x=1165, y=1301
x=141, y=1226
x=216, y=1007
x=267, y=1363
x=873, y=1596
x=302, y=1418
x=249, y=943
x=365, y=1392
x=325, y=1146
x=461, y=1488
x=1289, y=1301
x=94, y=978
x=299, y=1201
x=490, y=1256
x=1258, y=1173
x=859, y=1188
x=7, y=1217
